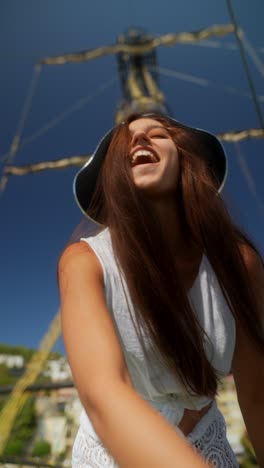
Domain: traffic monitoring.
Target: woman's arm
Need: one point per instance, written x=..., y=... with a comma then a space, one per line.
x=248, y=363
x=135, y=434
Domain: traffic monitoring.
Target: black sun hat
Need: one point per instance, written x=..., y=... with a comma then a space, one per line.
x=85, y=180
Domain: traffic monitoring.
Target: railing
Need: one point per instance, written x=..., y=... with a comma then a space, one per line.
x=6, y=389
x=24, y=462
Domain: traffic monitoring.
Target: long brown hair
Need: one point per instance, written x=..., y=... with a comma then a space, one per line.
x=160, y=299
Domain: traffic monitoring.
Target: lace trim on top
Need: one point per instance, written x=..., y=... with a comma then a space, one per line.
x=208, y=438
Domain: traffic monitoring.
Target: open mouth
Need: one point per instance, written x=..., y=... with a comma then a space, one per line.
x=143, y=157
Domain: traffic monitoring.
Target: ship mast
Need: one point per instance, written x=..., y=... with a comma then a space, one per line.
x=138, y=77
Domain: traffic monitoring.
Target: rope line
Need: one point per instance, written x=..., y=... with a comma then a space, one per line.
x=42, y=166
x=244, y=60
x=252, y=52
x=140, y=49
x=21, y=124
x=60, y=117
x=233, y=47
x=28, y=101
x=215, y=45
x=241, y=134
x=248, y=176
x=81, y=159
x=75, y=107
x=202, y=82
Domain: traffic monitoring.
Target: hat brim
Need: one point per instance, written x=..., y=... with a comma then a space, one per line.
x=86, y=178
x=84, y=182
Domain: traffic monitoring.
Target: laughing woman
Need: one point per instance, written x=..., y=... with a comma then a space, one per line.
x=165, y=299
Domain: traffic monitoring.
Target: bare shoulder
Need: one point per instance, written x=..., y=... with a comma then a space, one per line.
x=251, y=259
x=78, y=255
x=76, y=252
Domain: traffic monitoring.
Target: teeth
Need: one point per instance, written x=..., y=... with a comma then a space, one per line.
x=143, y=153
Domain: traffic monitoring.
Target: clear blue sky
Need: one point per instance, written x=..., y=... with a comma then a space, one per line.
x=38, y=213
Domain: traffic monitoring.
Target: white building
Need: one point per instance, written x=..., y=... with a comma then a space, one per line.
x=12, y=360
x=57, y=370
x=53, y=428
x=73, y=408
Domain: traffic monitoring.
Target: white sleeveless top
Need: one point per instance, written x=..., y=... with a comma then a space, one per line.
x=155, y=383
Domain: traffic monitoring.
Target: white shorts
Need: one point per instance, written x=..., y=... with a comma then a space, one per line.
x=208, y=438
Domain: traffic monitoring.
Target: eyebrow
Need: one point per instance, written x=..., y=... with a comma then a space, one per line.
x=151, y=127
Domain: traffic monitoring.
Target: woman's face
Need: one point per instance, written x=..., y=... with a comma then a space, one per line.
x=154, y=157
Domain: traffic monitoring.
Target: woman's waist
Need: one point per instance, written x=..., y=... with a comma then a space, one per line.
x=184, y=413
x=181, y=410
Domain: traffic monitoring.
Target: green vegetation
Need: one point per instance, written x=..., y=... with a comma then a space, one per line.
x=14, y=447
x=248, y=460
x=16, y=350
x=61, y=456
x=42, y=448
x=6, y=378
x=7, y=375
x=23, y=351
x=23, y=430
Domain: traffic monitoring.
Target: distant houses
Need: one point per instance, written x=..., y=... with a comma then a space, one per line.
x=12, y=360
x=58, y=419
x=57, y=370
x=57, y=410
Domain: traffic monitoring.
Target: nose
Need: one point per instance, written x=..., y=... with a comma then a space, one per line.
x=140, y=138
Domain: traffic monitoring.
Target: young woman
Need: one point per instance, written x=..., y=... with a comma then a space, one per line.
x=165, y=299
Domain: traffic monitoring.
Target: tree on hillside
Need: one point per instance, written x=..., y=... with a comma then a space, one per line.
x=23, y=430
x=42, y=448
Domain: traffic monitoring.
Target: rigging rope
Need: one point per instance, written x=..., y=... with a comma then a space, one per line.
x=51, y=124
x=241, y=134
x=232, y=46
x=215, y=44
x=244, y=60
x=56, y=120
x=201, y=81
x=42, y=166
x=251, y=51
x=21, y=124
x=80, y=160
x=248, y=176
x=140, y=49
